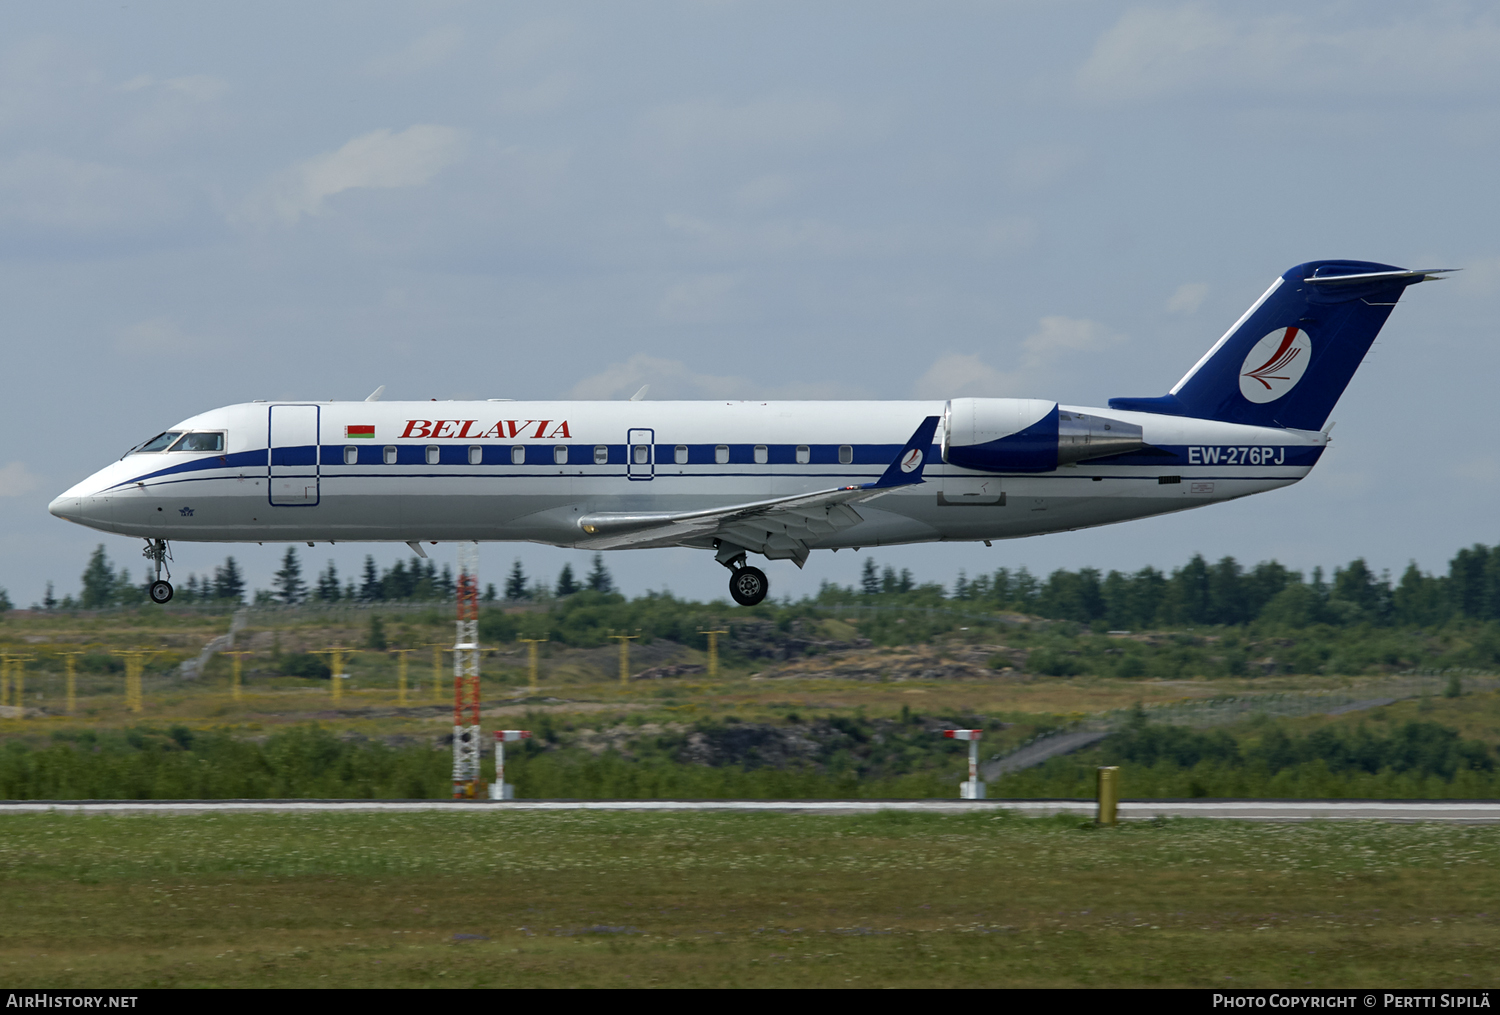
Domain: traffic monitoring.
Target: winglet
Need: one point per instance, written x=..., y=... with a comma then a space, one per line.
x=906, y=470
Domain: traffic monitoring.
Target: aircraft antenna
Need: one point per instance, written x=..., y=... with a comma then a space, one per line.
x=466, y=746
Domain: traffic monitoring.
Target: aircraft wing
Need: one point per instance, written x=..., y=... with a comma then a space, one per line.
x=780, y=528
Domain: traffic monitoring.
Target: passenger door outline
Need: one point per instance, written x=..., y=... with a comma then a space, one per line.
x=293, y=438
x=634, y=438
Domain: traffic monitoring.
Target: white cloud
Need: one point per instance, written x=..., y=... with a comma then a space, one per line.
x=1056, y=342
x=1188, y=298
x=957, y=374
x=161, y=336
x=544, y=96
x=422, y=53
x=674, y=379
x=40, y=189
x=678, y=135
x=1036, y=166
x=379, y=159
x=779, y=237
x=1156, y=50
x=16, y=479
x=669, y=378
x=699, y=300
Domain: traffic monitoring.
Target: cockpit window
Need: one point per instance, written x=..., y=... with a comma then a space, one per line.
x=160, y=441
x=200, y=442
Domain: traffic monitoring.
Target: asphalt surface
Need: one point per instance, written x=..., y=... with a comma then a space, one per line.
x=1453, y=811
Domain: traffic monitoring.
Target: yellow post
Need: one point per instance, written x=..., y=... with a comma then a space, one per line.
x=625, y=640
x=713, y=653
x=20, y=682
x=531, y=644
x=71, y=683
x=437, y=670
x=1109, y=795
x=135, y=662
x=234, y=673
x=336, y=667
x=5, y=658
x=401, y=663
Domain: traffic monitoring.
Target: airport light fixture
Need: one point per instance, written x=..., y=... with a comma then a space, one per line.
x=973, y=789
x=500, y=789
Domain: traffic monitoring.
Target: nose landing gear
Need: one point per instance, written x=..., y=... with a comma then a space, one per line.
x=158, y=554
x=747, y=585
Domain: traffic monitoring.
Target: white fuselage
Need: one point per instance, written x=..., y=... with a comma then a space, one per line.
x=511, y=470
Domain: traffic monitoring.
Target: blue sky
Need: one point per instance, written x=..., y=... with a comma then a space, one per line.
x=203, y=204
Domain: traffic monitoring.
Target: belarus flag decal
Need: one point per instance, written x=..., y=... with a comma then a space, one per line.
x=357, y=432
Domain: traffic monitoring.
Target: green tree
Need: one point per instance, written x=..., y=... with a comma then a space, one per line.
x=98, y=581
x=566, y=583
x=376, y=638
x=328, y=584
x=869, y=581
x=229, y=582
x=515, y=582
x=288, y=581
x=599, y=578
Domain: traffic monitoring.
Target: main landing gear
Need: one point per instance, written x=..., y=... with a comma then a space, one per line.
x=157, y=553
x=747, y=585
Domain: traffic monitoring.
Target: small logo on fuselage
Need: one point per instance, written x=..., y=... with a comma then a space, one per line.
x=1275, y=365
x=186, y=512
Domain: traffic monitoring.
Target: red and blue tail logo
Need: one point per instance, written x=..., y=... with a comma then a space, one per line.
x=1275, y=364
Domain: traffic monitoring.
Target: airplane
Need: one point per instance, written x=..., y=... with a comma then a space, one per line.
x=777, y=479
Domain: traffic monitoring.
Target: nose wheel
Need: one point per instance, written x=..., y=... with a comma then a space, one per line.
x=158, y=554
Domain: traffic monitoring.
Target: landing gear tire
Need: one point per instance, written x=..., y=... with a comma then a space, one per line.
x=748, y=586
x=161, y=592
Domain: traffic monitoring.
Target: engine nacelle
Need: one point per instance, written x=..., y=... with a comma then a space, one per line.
x=1029, y=435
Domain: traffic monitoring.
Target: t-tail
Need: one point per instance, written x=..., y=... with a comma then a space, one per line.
x=1288, y=359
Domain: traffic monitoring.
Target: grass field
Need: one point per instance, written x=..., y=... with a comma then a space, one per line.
x=741, y=900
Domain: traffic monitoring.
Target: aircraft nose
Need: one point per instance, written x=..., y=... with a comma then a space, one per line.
x=67, y=507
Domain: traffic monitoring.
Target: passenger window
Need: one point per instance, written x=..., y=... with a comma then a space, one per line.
x=351, y=456
x=601, y=454
x=679, y=454
x=476, y=455
x=161, y=441
x=641, y=454
x=762, y=456
x=432, y=454
x=518, y=454
x=560, y=454
x=846, y=454
x=804, y=454
x=388, y=455
x=721, y=454
x=200, y=442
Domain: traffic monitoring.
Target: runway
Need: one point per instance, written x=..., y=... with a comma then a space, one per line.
x=1449, y=811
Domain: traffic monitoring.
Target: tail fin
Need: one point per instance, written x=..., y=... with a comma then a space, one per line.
x=1288, y=359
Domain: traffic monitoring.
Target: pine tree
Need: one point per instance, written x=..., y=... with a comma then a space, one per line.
x=566, y=583
x=599, y=578
x=328, y=584
x=446, y=586
x=98, y=581
x=376, y=639
x=5, y=603
x=869, y=581
x=288, y=580
x=490, y=595
x=229, y=583
x=371, y=588
x=49, y=601
x=515, y=584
